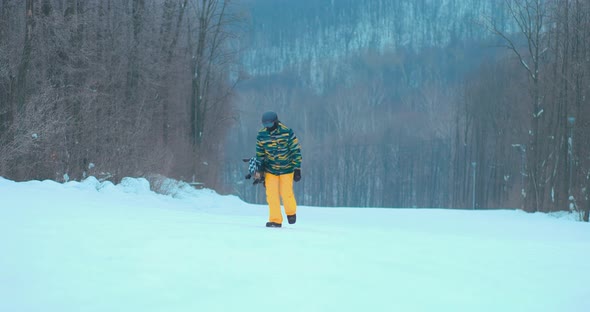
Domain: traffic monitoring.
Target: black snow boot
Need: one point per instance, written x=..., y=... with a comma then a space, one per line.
x=273, y=224
x=292, y=219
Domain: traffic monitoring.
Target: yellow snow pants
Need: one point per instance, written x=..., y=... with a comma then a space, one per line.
x=279, y=187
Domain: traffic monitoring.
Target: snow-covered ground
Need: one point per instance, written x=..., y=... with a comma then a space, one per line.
x=94, y=246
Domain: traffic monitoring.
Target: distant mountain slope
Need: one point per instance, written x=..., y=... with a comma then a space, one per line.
x=289, y=35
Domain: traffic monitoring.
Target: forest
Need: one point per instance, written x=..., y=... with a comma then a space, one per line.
x=471, y=104
x=468, y=104
x=113, y=88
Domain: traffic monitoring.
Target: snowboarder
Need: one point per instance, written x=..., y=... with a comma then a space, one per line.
x=278, y=153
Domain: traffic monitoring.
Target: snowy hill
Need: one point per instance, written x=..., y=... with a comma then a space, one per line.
x=94, y=246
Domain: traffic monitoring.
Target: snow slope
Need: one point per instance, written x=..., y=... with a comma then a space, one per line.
x=94, y=246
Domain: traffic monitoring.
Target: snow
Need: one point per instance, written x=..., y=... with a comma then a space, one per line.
x=92, y=246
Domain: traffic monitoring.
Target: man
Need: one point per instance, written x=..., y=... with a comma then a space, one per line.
x=279, y=155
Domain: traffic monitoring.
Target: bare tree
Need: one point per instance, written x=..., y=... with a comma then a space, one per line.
x=569, y=46
x=530, y=17
x=208, y=44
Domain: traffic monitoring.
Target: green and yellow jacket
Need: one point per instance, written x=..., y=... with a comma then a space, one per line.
x=278, y=151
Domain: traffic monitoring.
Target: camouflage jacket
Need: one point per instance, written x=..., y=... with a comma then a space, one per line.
x=278, y=151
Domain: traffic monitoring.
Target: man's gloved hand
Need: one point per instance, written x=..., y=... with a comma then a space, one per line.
x=297, y=175
x=258, y=178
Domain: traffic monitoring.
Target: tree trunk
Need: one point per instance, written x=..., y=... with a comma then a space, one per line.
x=21, y=83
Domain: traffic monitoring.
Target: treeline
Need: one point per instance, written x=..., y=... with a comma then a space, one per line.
x=113, y=88
x=470, y=125
x=536, y=111
x=308, y=33
x=377, y=138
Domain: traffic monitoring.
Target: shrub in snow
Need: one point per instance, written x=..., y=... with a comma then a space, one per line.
x=135, y=185
x=171, y=187
x=90, y=183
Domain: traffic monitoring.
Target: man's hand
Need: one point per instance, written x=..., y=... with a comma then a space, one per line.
x=258, y=178
x=297, y=175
